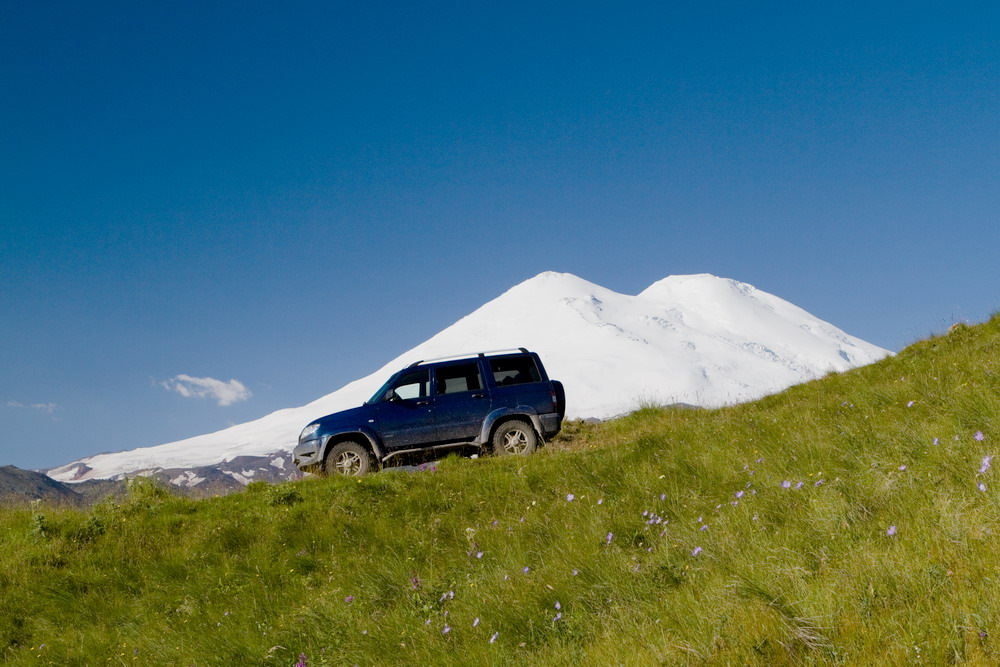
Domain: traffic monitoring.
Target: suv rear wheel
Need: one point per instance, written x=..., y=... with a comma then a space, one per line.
x=514, y=437
x=347, y=458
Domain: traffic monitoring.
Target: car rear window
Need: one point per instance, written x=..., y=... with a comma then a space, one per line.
x=514, y=370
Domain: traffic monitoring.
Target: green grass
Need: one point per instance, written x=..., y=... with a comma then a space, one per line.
x=371, y=571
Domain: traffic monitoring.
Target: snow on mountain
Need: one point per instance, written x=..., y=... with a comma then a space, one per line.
x=695, y=339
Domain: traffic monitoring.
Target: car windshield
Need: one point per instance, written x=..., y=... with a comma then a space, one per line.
x=381, y=390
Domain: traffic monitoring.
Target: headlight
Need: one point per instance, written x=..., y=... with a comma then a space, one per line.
x=308, y=431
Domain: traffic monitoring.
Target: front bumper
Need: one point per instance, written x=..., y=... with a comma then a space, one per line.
x=306, y=454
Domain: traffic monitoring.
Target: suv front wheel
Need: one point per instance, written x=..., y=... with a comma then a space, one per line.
x=348, y=458
x=514, y=437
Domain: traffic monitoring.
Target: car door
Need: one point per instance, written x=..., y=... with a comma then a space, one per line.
x=406, y=411
x=461, y=401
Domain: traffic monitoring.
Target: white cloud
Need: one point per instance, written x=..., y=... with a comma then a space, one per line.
x=226, y=393
x=44, y=407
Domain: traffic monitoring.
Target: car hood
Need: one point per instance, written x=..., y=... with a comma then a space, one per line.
x=352, y=417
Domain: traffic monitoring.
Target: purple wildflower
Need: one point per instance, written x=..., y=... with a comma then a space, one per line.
x=937, y=441
x=979, y=436
x=446, y=630
x=663, y=496
x=799, y=485
x=349, y=598
x=558, y=616
x=558, y=606
x=302, y=660
x=570, y=497
x=696, y=551
x=890, y=531
x=494, y=637
x=739, y=494
x=703, y=528
x=479, y=554
x=986, y=464
x=911, y=404
x=819, y=481
x=415, y=582
x=575, y=571
x=981, y=487
x=600, y=501
x=526, y=569
x=475, y=622
x=610, y=537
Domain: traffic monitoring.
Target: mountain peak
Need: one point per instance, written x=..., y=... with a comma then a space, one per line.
x=697, y=285
x=554, y=282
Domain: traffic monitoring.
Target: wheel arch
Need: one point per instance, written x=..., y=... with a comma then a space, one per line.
x=360, y=436
x=503, y=415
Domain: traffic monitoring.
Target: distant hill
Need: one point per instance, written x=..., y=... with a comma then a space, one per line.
x=19, y=486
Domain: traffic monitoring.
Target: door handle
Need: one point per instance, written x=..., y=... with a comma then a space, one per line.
x=479, y=396
x=423, y=402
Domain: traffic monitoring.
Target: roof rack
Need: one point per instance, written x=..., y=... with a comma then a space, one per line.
x=469, y=354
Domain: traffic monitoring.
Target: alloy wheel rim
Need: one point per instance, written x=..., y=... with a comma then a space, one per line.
x=515, y=441
x=349, y=463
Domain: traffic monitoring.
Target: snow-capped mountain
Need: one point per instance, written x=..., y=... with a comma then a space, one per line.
x=695, y=339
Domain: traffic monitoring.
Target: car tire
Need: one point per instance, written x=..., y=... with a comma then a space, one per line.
x=514, y=437
x=349, y=459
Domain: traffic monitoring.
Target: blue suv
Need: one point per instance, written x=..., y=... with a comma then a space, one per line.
x=501, y=402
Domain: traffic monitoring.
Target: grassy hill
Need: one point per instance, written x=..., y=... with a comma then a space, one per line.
x=849, y=520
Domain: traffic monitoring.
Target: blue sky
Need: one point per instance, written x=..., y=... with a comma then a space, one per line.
x=290, y=194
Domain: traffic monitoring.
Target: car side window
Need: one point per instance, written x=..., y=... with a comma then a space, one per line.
x=514, y=370
x=456, y=378
x=410, y=385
